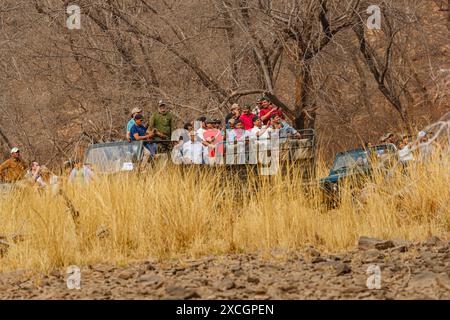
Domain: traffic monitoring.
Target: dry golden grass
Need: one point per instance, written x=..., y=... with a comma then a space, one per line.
x=169, y=213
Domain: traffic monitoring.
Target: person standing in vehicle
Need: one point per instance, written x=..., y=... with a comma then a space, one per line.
x=162, y=121
x=13, y=169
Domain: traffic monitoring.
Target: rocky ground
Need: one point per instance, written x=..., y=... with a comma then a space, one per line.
x=408, y=271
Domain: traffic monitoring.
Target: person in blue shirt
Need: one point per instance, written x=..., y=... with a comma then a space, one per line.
x=131, y=122
x=138, y=132
x=285, y=130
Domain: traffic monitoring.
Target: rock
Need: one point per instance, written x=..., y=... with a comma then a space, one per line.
x=126, y=275
x=313, y=252
x=149, y=266
x=236, y=268
x=400, y=242
x=372, y=255
x=251, y=279
x=400, y=249
x=318, y=260
x=149, y=279
x=427, y=256
x=443, y=249
x=422, y=280
x=342, y=268
x=365, y=243
x=433, y=241
x=226, y=284
x=239, y=273
x=288, y=288
x=182, y=293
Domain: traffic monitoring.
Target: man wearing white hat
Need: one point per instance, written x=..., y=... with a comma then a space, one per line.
x=14, y=168
x=131, y=123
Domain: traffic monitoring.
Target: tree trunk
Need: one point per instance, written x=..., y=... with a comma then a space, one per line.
x=305, y=115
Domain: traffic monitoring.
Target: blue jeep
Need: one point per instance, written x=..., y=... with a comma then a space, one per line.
x=355, y=167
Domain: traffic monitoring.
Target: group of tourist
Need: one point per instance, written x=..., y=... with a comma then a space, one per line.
x=405, y=144
x=16, y=169
x=207, y=136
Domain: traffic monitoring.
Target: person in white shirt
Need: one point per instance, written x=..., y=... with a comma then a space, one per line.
x=261, y=134
x=404, y=152
x=259, y=131
x=193, y=150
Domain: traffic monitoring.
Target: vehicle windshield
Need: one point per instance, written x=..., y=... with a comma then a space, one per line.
x=110, y=158
x=350, y=160
x=362, y=158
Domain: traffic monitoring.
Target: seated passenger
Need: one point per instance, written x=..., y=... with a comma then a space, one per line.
x=213, y=141
x=131, y=122
x=34, y=175
x=81, y=173
x=285, y=130
x=139, y=133
x=192, y=151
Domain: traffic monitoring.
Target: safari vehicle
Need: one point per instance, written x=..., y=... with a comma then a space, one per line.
x=291, y=152
x=355, y=167
x=113, y=157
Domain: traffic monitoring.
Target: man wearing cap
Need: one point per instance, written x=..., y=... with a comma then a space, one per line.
x=234, y=114
x=131, y=122
x=138, y=132
x=247, y=117
x=13, y=169
x=162, y=121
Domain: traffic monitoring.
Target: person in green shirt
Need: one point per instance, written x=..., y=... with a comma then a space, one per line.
x=162, y=121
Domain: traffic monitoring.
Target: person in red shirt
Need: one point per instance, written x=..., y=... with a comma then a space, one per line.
x=247, y=117
x=213, y=140
x=268, y=110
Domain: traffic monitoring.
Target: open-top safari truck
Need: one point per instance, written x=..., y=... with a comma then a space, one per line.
x=113, y=157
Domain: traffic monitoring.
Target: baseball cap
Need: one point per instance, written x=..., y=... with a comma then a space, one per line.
x=161, y=103
x=209, y=120
x=421, y=134
x=14, y=150
x=218, y=121
x=136, y=110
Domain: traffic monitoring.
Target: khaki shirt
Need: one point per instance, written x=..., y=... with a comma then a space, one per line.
x=162, y=122
x=12, y=170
